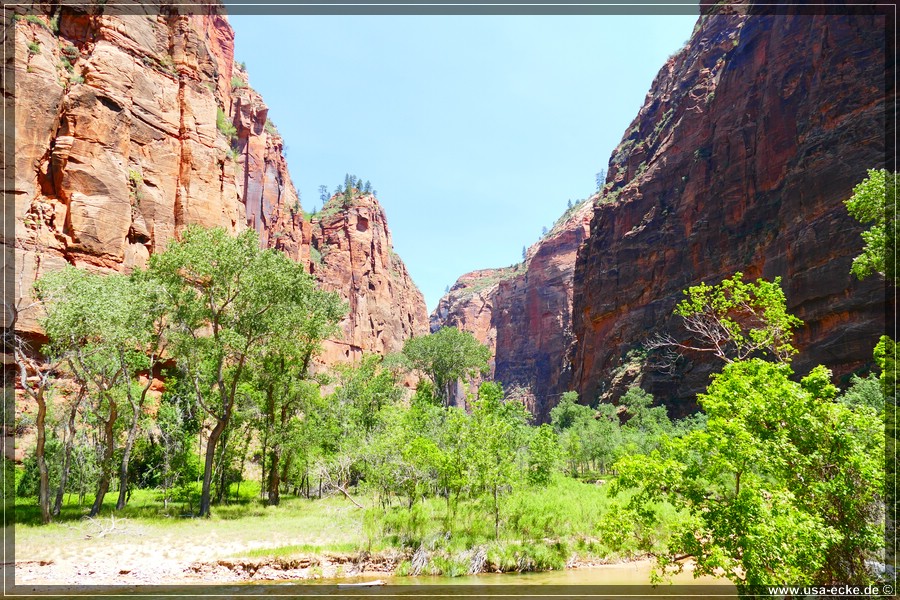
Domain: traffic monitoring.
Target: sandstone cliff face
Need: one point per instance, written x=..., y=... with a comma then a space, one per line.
x=353, y=255
x=524, y=314
x=748, y=142
x=118, y=150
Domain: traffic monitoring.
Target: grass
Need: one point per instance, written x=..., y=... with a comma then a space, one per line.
x=541, y=529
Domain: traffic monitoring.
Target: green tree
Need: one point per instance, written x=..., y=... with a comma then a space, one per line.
x=874, y=202
x=36, y=378
x=544, y=455
x=784, y=484
x=108, y=329
x=735, y=320
x=495, y=436
x=281, y=374
x=447, y=356
x=230, y=300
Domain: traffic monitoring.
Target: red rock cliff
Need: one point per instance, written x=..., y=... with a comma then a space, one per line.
x=747, y=144
x=353, y=254
x=118, y=148
x=524, y=314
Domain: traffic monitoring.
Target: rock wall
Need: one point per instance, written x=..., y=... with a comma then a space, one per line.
x=353, y=254
x=132, y=126
x=117, y=147
x=747, y=144
x=523, y=314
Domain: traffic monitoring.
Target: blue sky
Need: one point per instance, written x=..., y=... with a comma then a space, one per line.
x=474, y=130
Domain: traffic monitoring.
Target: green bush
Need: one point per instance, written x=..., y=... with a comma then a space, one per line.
x=34, y=48
x=70, y=52
x=237, y=83
x=225, y=126
x=37, y=21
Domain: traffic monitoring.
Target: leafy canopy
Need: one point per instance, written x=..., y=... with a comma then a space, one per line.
x=447, y=356
x=738, y=320
x=874, y=201
x=784, y=483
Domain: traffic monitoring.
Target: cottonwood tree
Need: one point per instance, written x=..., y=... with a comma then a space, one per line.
x=281, y=373
x=495, y=435
x=107, y=329
x=36, y=378
x=447, y=356
x=229, y=300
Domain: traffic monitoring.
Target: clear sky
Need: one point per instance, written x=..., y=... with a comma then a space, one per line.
x=474, y=130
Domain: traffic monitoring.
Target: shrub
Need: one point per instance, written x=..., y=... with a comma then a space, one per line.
x=34, y=48
x=225, y=126
x=37, y=21
x=237, y=83
x=70, y=52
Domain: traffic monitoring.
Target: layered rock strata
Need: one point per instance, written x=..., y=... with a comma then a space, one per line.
x=352, y=253
x=749, y=141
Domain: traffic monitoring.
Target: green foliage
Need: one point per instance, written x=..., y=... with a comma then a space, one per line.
x=866, y=392
x=544, y=455
x=270, y=128
x=234, y=304
x=885, y=355
x=237, y=83
x=36, y=20
x=738, y=320
x=784, y=484
x=34, y=47
x=874, y=201
x=70, y=52
x=447, y=356
x=225, y=126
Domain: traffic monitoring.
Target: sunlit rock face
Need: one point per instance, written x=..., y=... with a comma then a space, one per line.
x=131, y=127
x=354, y=256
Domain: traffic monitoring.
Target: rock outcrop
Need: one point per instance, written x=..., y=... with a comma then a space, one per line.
x=524, y=314
x=117, y=144
x=130, y=127
x=747, y=144
x=352, y=253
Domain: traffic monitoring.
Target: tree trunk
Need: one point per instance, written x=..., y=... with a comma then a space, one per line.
x=126, y=456
x=211, y=444
x=67, y=457
x=496, y=516
x=43, y=472
x=109, y=441
x=274, y=478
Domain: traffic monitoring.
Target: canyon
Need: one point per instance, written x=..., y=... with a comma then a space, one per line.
x=748, y=142
x=132, y=126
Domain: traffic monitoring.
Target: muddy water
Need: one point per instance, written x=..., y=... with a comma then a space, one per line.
x=633, y=573
x=631, y=580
